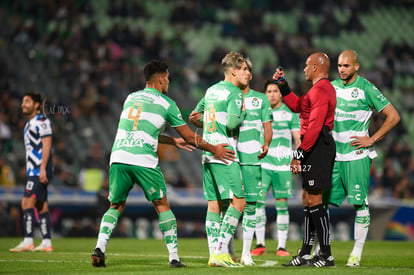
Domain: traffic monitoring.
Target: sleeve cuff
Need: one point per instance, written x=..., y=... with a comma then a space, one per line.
x=284, y=88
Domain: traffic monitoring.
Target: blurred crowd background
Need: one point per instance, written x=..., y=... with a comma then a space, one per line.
x=85, y=57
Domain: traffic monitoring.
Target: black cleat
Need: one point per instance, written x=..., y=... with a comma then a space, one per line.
x=323, y=262
x=176, y=263
x=98, y=258
x=298, y=261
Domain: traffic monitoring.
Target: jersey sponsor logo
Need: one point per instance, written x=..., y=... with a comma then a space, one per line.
x=129, y=142
x=151, y=191
x=249, y=124
x=355, y=93
x=381, y=97
x=344, y=115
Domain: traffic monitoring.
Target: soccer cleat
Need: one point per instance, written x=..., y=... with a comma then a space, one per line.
x=43, y=248
x=223, y=260
x=98, y=258
x=177, y=263
x=323, y=262
x=247, y=260
x=22, y=247
x=353, y=261
x=298, y=261
x=259, y=250
x=282, y=252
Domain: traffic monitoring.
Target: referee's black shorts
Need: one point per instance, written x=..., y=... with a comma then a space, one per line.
x=318, y=165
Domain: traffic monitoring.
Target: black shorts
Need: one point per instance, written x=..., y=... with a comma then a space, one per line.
x=317, y=174
x=34, y=188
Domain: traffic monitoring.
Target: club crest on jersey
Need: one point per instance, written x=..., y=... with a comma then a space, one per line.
x=255, y=102
x=355, y=93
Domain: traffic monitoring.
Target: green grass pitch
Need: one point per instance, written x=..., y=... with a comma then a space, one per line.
x=133, y=256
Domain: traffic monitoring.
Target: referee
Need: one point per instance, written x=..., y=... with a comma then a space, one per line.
x=315, y=156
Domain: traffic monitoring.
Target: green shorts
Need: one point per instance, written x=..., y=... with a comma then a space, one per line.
x=222, y=182
x=122, y=178
x=281, y=182
x=350, y=179
x=252, y=177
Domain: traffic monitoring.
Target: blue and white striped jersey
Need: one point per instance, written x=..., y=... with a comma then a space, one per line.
x=35, y=129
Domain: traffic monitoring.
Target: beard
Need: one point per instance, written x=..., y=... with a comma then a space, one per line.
x=27, y=111
x=347, y=77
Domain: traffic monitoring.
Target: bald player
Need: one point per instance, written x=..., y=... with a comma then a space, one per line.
x=315, y=156
x=356, y=98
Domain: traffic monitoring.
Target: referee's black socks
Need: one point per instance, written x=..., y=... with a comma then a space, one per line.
x=320, y=220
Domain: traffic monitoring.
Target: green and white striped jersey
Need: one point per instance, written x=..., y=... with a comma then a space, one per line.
x=221, y=100
x=144, y=117
x=258, y=111
x=353, y=112
x=280, y=150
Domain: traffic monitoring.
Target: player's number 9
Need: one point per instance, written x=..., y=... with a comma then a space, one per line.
x=211, y=119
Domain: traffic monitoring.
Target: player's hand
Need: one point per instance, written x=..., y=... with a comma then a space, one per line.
x=279, y=75
x=265, y=150
x=196, y=119
x=295, y=166
x=223, y=153
x=361, y=142
x=42, y=176
x=181, y=144
x=195, y=116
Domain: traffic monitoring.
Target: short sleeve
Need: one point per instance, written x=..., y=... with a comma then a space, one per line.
x=267, y=114
x=235, y=102
x=44, y=127
x=200, y=106
x=376, y=100
x=174, y=116
x=295, y=123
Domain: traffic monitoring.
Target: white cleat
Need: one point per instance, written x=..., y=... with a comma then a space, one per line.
x=43, y=248
x=22, y=247
x=247, y=260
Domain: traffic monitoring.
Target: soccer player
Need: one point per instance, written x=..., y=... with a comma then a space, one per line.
x=275, y=170
x=356, y=98
x=315, y=156
x=223, y=112
x=133, y=158
x=39, y=171
x=258, y=121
